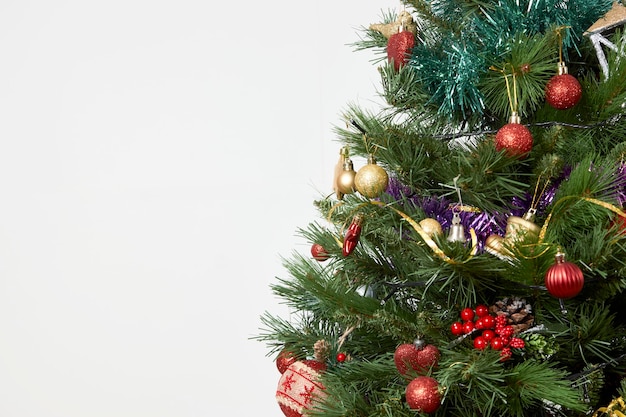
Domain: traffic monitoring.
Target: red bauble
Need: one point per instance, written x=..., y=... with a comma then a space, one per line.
x=409, y=358
x=351, y=238
x=564, y=279
x=422, y=394
x=284, y=359
x=319, y=253
x=341, y=357
x=563, y=91
x=299, y=386
x=515, y=138
x=399, y=48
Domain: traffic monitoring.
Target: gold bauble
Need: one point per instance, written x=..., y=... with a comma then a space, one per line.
x=431, y=227
x=521, y=228
x=371, y=180
x=494, y=244
x=345, y=180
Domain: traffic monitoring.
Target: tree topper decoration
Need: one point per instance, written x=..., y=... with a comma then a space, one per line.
x=616, y=16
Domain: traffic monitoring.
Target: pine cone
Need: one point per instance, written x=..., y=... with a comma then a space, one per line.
x=516, y=310
x=321, y=350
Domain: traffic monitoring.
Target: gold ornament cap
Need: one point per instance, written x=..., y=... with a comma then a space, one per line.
x=515, y=118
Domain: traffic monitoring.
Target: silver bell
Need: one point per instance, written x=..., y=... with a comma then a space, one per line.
x=457, y=231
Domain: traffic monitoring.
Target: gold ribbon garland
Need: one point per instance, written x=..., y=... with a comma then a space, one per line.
x=600, y=203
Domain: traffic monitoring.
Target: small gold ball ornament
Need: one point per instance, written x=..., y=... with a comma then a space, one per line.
x=345, y=180
x=371, y=180
x=431, y=227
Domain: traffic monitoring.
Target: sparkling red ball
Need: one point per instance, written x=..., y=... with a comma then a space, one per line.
x=515, y=138
x=563, y=91
x=410, y=359
x=341, y=357
x=422, y=394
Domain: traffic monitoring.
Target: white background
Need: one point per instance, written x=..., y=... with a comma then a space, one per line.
x=156, y=159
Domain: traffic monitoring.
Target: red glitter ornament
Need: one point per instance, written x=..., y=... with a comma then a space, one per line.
x=564, y=279
x=299, y=387
x=319, y=253
x=563, y=91
x=352, y=235
x=399, y=48
x=514, y=137
x=408, y=357
x=422, y=394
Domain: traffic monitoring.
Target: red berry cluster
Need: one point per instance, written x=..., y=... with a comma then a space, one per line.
x=495, y=332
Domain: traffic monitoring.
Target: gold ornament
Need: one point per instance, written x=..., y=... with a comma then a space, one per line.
x=343, y=155
x=345, y=180
x=431, y=227
x=494, y=244
x=521, y=228
x=404, y=22
x=371, y=180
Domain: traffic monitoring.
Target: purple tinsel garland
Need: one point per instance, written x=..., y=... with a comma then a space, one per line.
x=486, y=224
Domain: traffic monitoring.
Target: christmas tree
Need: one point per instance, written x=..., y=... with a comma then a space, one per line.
x=474, y=262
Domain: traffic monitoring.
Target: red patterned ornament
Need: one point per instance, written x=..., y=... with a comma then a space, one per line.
x=299, y=387
x=564, y=279
x=514, y=137
x=408, y=357
x=422, y=394
x=563, y=91
x=399, y=48
x=352, y=236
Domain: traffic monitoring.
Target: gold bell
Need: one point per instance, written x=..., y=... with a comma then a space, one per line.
x=457, y=231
